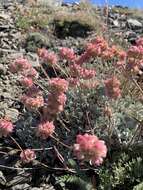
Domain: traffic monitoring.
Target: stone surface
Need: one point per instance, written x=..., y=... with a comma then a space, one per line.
x=134, y=24
x=12, y=114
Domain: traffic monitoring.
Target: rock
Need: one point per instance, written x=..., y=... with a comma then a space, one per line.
x=134, y=24
x=71, y=28
x=2, y=179
x=4, y=16
x=123, y=18
x=131, y=36
x=116, y=23
x=12, y=114
x=34, y=41
x=33, y=59
x=2, y=69
x=24, y=186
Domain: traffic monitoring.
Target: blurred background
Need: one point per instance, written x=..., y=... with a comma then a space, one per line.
x=128, y=3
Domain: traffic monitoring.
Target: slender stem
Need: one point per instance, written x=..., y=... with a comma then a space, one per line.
x=14, y=168
x=58, y=140
x=135, y=82
x=41, y=149
x=16, y=143
x=63, y=125
x=45, y=73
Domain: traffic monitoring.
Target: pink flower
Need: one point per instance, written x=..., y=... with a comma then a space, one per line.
x=45, y=129
x=97, y=46
x=88, y=73
x=32, y=103
x=6, y=127
x=58, y=85
x=73, y=82
x=55, y=103
x=122, y=55
x=139, y=42
x=20, y=64
x=67, y=53
x=57, y=98
x=107, y=54
x=83, y=58
x=80, y=72
x=42, y=52
x=135, y=52
x=112, y=88
x=32, y=73
x=90, y=148
x=26, y=82
x=50, y=57
x=134, y=65
x=27, y=156
x=93, y=50
x=33, y=91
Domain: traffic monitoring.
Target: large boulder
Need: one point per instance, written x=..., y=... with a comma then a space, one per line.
x=71, y=28
x=34, y=41
x=134, y=24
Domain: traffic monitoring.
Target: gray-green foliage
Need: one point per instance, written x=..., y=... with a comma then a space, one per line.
x=126, y=114
x=139, y=187
x=123, y=173
x=73, y=182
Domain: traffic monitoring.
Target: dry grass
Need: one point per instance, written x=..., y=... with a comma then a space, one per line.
x=36, y=16
x=138, y=13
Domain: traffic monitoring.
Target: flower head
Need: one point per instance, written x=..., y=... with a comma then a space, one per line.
x=50, y=57
x=58, y=85
x=67, y=53
x=6, y=127
x=26, y=82
x=27, y=156
x=32, y=103
x=20, y=64
x=45, y=129
x=112, y=88
x=90, y=148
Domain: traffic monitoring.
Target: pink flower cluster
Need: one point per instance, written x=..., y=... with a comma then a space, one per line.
x=139, y=42
x=49, y=57
x=112, y=88
x=32, y=103
x=135, y=57
x=26, y=82
x=54, y=105
x=27, y=72
x=57, y=98
x=90, y=148
x=83, y=58
x=93, y=49
x=135, y=52
x=20, y=64
x=58, y=85
x=27, y=156
x=77, y=71
x=68, y=54
x=97, y=46
x=73, y=82
x=6, y=127
x=45, y=129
